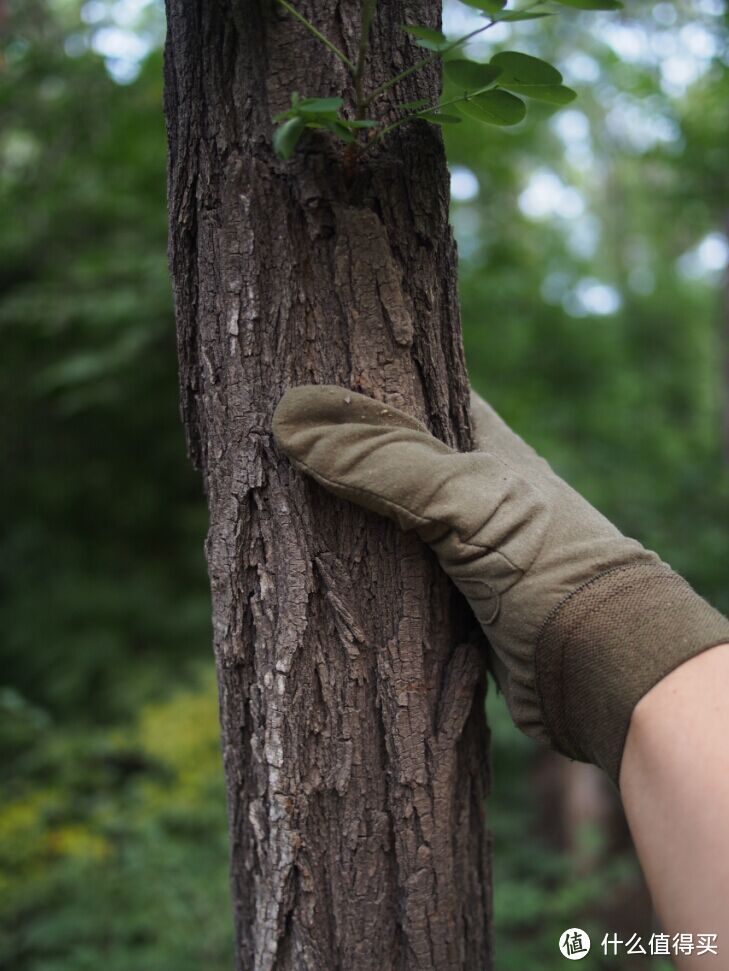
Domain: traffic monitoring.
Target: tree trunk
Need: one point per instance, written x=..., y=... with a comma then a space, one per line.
x=351, y=686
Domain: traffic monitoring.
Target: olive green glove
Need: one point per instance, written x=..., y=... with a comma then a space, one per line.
x=582, y=621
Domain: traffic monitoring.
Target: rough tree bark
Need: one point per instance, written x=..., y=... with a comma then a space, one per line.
x=354, y=741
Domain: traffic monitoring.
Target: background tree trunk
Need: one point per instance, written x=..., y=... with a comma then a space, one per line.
x=354, y=740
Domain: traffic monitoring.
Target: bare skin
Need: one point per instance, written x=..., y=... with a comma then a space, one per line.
x=674, y=781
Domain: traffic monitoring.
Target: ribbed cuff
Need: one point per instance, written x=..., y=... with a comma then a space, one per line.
x=607, y=644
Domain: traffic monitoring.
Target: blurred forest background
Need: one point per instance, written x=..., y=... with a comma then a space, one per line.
x=593, y=275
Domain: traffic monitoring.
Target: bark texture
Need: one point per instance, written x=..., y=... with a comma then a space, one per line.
x=354, y=740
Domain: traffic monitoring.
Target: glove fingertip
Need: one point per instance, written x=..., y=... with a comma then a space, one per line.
x=317, y=407
x=306, y=406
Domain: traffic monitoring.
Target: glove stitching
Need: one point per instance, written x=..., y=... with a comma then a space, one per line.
x=424, y=520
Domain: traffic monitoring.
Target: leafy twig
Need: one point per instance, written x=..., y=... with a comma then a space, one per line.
x=528, y=75
x=379, y=135
x=423, y=62
x=318, y=34
x=368, y=12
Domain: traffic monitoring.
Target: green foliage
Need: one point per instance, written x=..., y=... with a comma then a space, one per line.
x=523, y=69
x=470, y=76
x=313, y=113
x=107, y=518
x=512, y=71
x=439, y=118
x=431, y=40
x=556, y=94
x=113, y=845
x=287, y=135
x=514, y=74
x=494, y=108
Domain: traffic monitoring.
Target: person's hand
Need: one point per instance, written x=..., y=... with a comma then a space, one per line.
x=582, y=620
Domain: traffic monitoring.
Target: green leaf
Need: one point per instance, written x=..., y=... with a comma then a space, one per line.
x=494, y=108
x=514, y=15
x=286, y=136
x=592, y=4
x=315, y=106
x=554, y=94
x=524, y=69
x=431, y=40
x=489, y=6
x=359, y=122
x=470, y=75
x=341, y=131
x=440, y=118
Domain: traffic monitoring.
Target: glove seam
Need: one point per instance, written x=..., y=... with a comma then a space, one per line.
x=424, y=520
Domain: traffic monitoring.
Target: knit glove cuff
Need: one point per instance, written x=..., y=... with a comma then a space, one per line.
x=587, y=678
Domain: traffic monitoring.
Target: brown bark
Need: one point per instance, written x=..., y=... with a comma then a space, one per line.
x=354, y=741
